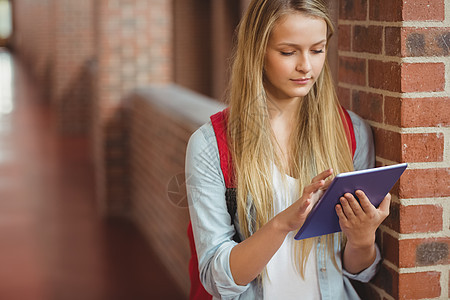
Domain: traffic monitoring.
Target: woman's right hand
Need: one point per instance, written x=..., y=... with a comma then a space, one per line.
x=293, y=217
x=249, y=257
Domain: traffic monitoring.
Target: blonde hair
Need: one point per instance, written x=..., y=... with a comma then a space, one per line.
x=319, y=139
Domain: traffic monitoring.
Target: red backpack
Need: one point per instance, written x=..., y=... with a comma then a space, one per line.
x=219, y=123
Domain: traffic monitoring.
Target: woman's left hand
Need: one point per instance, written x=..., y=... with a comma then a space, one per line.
x=359, y=221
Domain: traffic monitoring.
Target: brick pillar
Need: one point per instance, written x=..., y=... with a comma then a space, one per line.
x=133, y=50
x=33, y=38
x=225, y=16
x=72, y=31
x=193, y=49
x=55, y=39
x=394, y=71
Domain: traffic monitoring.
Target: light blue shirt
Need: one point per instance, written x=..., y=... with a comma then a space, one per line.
x=213, y=232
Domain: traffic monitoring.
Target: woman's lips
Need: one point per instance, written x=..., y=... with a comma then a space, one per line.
x=301, y=80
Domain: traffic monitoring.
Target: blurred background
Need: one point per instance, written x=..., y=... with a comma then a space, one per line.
x=97, y=102
x=99, y=98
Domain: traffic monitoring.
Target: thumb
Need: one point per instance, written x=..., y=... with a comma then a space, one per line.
x=385, y=204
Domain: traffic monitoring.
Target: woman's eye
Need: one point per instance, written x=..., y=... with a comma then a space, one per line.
x=318, y=51
x=287, y=53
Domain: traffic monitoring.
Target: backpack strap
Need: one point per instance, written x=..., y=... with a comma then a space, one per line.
x=219, y=123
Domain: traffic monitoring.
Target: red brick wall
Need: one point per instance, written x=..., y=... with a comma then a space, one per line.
x=55, y=38
x=161, y=122
x=33, y=38
x=134, y=40
x=394, y=61
x=74, y=51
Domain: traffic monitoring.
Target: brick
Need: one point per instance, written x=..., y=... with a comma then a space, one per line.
x=385, y=10
x=424, y=10
x=385, y=75
x=388, y=280
x=417, y=42
x=366, y=291
x=420, y=218
x=352, y=70
x=422, y=77
x=387, y=144
x=353, y=9
x=423, y=147
x=425, y=41
x=368, y=105
x=421, y=183
x=419, y=285
x=393, y=114
x=393, y=220
x=391, y=249
x=344, y=97
x=424, y=252
x=417, y=112
x=367, y=39
x=345, y=37
x=392, y=41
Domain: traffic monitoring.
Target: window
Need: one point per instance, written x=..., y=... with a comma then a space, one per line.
x=5, y=19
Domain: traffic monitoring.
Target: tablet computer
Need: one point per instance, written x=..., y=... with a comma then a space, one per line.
x=375, y=183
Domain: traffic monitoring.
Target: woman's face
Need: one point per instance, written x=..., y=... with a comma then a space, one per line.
x=295, y=56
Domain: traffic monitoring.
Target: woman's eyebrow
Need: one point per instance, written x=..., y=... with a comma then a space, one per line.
x=296, y=45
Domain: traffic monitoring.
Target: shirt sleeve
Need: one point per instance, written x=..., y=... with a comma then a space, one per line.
x=211, y=222
x=367, y=274
x=364, y=158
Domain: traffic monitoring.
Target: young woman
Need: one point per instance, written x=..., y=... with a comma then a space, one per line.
x=287, y=139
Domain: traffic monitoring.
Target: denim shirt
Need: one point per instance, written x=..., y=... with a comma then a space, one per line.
x=213, y=231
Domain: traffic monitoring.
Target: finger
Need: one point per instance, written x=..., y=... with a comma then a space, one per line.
x=322, y=176
x=342, y=217
x=305, y=207
x=346, y=209
x=353, y=204
x=365, y=203
x=326, y=185
x=313, y=187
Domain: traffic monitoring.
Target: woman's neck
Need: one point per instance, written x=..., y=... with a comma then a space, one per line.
x=283, y=115
x=283, y=110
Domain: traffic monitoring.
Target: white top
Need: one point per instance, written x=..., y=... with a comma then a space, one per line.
x=283, y=280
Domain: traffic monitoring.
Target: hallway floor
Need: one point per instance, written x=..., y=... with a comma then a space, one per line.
x=53, y=243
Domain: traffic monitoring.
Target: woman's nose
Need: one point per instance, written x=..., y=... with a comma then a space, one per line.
x=303, y=64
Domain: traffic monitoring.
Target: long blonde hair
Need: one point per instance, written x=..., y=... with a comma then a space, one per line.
x=319, y=139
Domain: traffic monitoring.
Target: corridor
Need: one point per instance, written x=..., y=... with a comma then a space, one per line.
x=53, y=243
